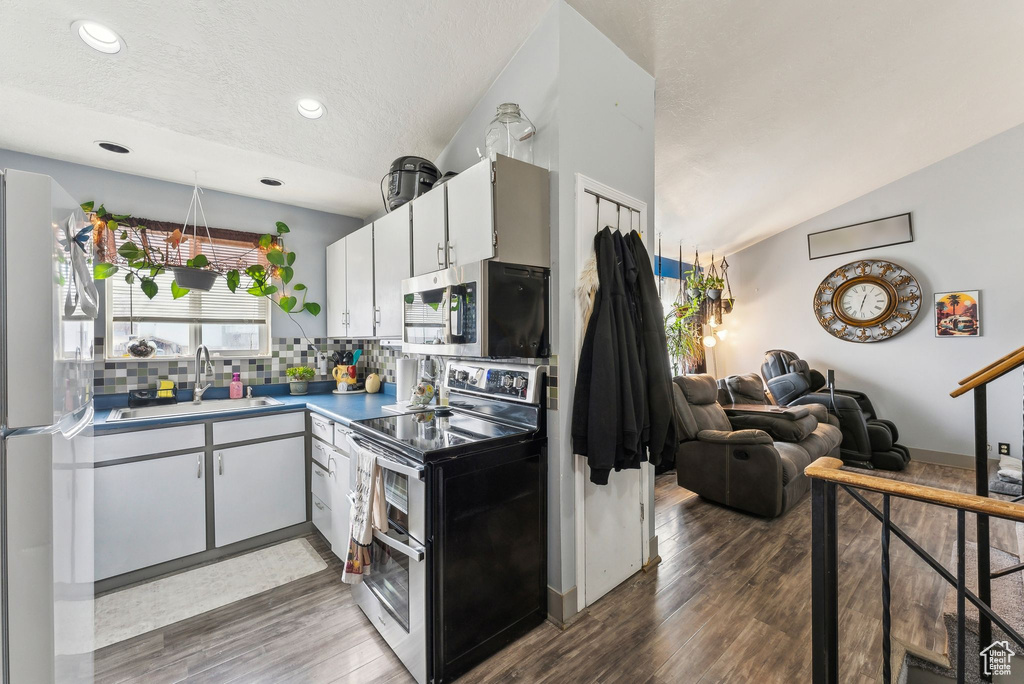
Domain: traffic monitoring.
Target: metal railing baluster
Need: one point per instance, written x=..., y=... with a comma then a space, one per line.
x=961, y=589
x=824, y=583
x=886, y=596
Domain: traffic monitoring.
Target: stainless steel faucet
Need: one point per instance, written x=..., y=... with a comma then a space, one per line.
x=202, y=368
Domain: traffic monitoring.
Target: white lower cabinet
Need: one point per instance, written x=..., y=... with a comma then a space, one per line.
x=329, y=484
x=258, y=489
x=148, y=512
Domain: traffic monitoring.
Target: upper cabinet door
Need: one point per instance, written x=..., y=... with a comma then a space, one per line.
x=392, y=262
x=337, y=324
x=471, y=214
x=359, y=282
x=428, y=231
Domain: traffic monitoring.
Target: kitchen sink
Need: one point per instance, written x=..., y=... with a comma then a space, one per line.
x=189, y=409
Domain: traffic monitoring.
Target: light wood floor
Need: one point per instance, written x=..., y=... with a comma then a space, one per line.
x=730, y=602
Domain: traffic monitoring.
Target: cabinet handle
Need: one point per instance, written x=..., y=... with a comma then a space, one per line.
x=318, y=472
x=220, y=463
x=440, y=255
x=199, y=466
x=451, y=258
x=318, y=505
x=376, y=315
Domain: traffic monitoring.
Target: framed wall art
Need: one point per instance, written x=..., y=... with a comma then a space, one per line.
x=957, y=314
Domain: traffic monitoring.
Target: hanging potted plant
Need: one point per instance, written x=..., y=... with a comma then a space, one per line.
x=298, y=379
x=695, y=285
x=713, y=287
x=142, y=261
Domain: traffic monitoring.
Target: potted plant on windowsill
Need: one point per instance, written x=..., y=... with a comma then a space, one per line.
x=298, y=379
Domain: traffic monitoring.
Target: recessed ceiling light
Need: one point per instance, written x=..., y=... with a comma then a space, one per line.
x=98, y=37
x=310, y=108
x=272, y=182
x=113, y=147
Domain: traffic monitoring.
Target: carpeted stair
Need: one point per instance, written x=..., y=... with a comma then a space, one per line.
x=1008, y=602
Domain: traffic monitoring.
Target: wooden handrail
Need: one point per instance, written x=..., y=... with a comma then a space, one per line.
x=1015, y=360
x=830, y=469
x=992, y=365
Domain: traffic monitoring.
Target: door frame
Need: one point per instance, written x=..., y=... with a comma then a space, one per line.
x=586, y=189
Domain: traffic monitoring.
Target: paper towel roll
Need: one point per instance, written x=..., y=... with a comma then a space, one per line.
x=405, y=379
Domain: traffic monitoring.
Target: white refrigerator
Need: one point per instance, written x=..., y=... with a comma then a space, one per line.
x=48, y=306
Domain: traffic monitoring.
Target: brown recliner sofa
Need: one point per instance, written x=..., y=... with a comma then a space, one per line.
x=754, y=462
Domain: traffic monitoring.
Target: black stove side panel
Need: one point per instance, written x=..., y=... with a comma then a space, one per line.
x=488, y=565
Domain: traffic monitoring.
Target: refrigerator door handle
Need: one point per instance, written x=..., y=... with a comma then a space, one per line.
x=84, y=422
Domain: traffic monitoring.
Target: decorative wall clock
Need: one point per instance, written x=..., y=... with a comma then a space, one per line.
x=867, y=301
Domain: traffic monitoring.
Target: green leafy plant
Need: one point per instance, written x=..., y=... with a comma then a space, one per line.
x=714, y=283
x=682, y=332
x=143, y=261
x=300, y=373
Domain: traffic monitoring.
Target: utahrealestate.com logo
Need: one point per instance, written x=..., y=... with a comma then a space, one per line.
x=996, y=658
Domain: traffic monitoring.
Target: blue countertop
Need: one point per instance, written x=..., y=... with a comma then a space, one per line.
x=337, y=407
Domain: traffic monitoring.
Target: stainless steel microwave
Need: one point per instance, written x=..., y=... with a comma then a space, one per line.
x=482, y=309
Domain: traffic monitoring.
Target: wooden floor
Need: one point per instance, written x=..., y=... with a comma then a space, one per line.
x=730, y=602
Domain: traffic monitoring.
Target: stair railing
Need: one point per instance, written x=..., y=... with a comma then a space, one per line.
x=827, y=477
x=978, y=382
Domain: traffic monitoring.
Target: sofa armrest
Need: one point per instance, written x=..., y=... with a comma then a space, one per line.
x=819, y=411
x=778, y=428
x=735, y=437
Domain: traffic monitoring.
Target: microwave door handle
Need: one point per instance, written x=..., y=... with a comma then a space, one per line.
x=446, y=318
x=413, y=551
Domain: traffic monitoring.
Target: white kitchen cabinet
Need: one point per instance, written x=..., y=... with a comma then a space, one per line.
x=258, y=489
x=148, y=512
x=340, y=506
x=359, y=282
x=337, y=302
x=470, y=214
x=322, y=519
x=500, y=210
x=429, y=231
x=392, y=263
x=329, y=484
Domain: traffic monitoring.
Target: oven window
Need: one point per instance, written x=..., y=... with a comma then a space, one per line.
x=389, y=580
x=396, y=494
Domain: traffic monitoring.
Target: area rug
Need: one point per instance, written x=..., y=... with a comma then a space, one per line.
x=142, y=608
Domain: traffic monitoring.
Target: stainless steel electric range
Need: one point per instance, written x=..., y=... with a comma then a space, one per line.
x=463, y=570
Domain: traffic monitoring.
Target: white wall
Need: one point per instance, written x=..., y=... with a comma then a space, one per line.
x=311, y=230
x=594, y=109
x=968, y=211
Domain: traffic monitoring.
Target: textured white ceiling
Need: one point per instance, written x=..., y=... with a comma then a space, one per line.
x=211, y=87
x=770, y=112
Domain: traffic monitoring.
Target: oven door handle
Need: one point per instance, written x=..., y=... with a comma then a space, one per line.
x=413, y=551
x=388, y=461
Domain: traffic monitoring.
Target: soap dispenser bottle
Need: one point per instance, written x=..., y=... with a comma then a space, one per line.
x=235, y=391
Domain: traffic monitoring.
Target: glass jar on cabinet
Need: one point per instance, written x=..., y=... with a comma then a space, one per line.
x=510, y=133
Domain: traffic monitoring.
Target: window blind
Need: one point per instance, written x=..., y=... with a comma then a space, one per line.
x=219, y=305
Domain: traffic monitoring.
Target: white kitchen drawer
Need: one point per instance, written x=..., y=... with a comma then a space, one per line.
x=322, y=485
x=323, y=452
x=145, y=442
x=264, y=427
x=341, y=434
x=322, y=519
x=322, y=427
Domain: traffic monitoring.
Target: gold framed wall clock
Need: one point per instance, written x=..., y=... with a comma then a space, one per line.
x=867, y=301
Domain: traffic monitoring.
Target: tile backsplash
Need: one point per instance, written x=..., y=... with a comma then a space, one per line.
x=117, y=376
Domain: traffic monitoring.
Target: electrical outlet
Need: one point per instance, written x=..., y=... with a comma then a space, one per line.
x=1004, y=449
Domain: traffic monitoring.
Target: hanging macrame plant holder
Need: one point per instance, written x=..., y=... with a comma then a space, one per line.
x=195, y=277
x=727, y=299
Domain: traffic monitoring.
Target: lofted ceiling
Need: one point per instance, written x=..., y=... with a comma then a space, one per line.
x=211, y=87
x=770, y=112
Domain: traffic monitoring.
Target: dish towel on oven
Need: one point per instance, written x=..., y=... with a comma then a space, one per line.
x=368, y=511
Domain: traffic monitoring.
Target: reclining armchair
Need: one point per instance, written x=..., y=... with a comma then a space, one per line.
x=754, y=462
x=868, y=441
x=749, y=389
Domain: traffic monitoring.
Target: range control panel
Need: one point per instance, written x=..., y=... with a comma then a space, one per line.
x=519, y=383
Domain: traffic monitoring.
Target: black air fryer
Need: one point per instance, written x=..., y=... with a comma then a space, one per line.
x=409, y=178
